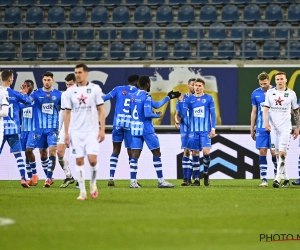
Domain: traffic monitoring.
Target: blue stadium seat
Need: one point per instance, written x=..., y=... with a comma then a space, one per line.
x=286, y=1
x=243, y=2
x=155, y=2
x=230, y=13
x=175, y=33
x=73, y=51
x=7, y=51
x=109, y=33
x=186, y=14
x=252, y=13
x=293, y=50
x=24, y=3
x=42, y=34
x=89, y=3
x=112, y=2
x=248, y=50
x=151, y=34
x=120, y=15
x=293, y=14
x=264, y=2
x=220, y=2
x=283, y=31
x=6, y=3
x=93, y=51
x=138, y=51
x=29, y=51
x=273, y=13
x=226, y=50
x=56, y=15
x=68, y=3
x=164, y=14
x=12, y=15
x=239, y=31
x=129, y=34
x=3, y=33
x=21, y=34
x=218, y=31
x=50, y=51
x=34, y=15
x=205, y=50
x=177, y=2
x=85, y=34
x=133, y=2
x=195, y=33
x=271, y=50
x=77, y=15
x=62, y=34
x=261, y=31
x=142, y=14
x=99, y=15
x=47, y=3
x=117, y=51
x=161, y=50
x=208, y=14
x=182, y=50
x=198, y=2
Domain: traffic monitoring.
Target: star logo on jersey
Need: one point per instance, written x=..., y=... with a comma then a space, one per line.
x=82, y=99
x=278, y=101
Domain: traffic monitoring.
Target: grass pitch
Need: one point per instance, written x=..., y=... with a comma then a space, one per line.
x=229, y=214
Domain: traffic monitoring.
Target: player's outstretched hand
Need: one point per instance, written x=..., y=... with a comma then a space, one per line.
x=24, y=89
x=296, y=133
x=101, y=136
x=268, y=127
x=252, y=132
x=67, y=140
x=173, y=94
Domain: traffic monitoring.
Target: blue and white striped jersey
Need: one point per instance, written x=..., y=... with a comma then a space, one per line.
x=27, y=117
x=184, y=123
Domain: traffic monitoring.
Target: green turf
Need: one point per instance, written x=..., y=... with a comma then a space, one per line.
x=230, y=214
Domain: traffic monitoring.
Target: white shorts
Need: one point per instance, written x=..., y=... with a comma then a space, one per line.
x=280, y=139
x=83, y=144
x=61, y=137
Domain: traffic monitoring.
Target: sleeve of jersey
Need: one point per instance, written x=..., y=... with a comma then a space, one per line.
x=148, y=108
x=23, y=98
x=182, y=108
x=4, y=104
x=160, y=103
x=294, y=102
x=253, y=100
x=110, y=95
x=267, y=103
x=99, y=99
x=213, y=113
x=61, y=118
x=67, y=100
x=5, y=99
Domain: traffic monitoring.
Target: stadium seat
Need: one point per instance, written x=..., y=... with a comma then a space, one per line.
x=218, y=31
x=208, y=14
x=93, y=51
x=3, y=33
x=12, y=15
x=90, y=3
x=293, y=14
x=155, y=2
x=77, y=15
x=175, y=33
x=28, y=51
x=117, y=51
x=252, y=13
x=129, y=34
x=109, y=33
x=47, y=3
x=98, y=15
x=7, y=51
x=34, y=15
x=261, y=31
x=248, y=50
x=64, y=34
x=285, y=1
x=50, y=51
x=142, y=14
x=151, y=34
x=271, y=50
x=177, y=2
x=198, y=2
x=24, y=3
x=230, y=13
x=120, y=15
x=239, y=31
x=22, y=30
x=164, y=14
x=133, y=2
x=243, y=2
x=182, y=50
x=283, y=31
x=112, y=2
x=161, y=50
x=186, y=14
x=138, y=51
x=220, y=2
x=273, y=13
x=196, y=31
x=68, y=3
x=205, y=50
x=263, y=2
x=226, y=50
x=73, y=51
x=85, y=34
x=6, y=3
x=41, y=33
x=56, y=15
x=293, y=50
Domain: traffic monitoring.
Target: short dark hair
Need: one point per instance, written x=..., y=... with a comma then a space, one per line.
x=70, y=77
x=82, y=65
x=200, y=80
x=263, y=76
x=280, y=73
x=132, y=78
x=191, y=80
x=143, y=80
x=29, y=81
x=50, y=74
x=5, y=74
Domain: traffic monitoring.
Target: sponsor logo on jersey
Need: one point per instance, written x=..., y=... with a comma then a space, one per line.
x=27, y=112
x=82, y=99
x=199, y=112
x=278, y=101
x=47, y=108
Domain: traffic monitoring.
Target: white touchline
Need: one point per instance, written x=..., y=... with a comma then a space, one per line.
x=6, y=221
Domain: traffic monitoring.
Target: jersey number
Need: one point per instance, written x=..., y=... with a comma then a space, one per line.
x=135, y=114
x=11, y=110
x=126, y=104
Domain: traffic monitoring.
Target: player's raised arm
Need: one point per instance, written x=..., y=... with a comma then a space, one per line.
x=148, y=109
x=171, y=95
x=110, y=95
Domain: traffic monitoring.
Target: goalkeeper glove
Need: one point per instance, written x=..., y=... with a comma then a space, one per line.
x=173, y=94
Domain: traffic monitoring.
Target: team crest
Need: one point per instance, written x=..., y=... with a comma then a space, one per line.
x=73, y=151
x=204, y=100
x=53, y=98
x=273, y=145
x=88, y=91
x=286, y=94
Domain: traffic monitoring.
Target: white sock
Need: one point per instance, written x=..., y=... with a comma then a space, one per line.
x=66, y=168
x=160, y=180
x=280, y=169
x=93, y=175
x=81, y=178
